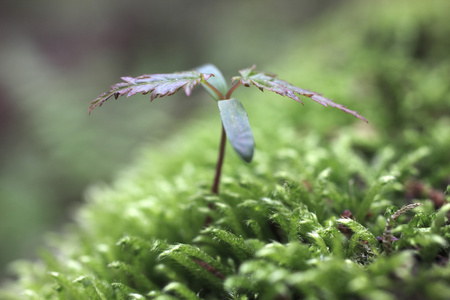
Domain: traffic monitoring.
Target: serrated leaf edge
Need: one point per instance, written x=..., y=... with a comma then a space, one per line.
x=284, y=88
x=134, y=85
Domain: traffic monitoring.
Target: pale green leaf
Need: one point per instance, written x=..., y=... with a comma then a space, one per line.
x=236, y=124
x=218, y=81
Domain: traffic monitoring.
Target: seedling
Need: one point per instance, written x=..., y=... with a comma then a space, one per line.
x=235, y=124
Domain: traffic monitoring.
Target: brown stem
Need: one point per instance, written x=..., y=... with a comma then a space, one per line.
x=223, y=140
x=216, y=183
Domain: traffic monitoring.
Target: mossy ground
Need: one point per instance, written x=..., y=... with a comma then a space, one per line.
x=306, y=218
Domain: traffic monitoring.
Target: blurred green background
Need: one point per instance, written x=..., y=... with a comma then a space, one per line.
x=56, y=56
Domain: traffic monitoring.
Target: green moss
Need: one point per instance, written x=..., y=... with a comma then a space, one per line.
x=279, y=228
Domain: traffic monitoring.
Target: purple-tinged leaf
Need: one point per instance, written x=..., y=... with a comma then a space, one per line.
x=266, y=81
x=158, y=85
x=236, y=124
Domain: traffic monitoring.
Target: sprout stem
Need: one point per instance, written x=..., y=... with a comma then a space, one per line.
x=231, y=90
x=223, y=140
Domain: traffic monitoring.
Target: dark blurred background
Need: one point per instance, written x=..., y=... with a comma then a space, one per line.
x=57, y=56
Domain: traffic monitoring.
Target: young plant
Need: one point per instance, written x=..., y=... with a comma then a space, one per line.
x=235, y=124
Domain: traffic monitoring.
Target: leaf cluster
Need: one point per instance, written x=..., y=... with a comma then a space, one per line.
x=233, y=114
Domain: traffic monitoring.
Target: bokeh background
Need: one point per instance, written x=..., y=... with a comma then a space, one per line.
x=56, y=56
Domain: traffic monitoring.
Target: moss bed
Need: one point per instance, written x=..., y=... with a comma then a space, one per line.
x=307, y=219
